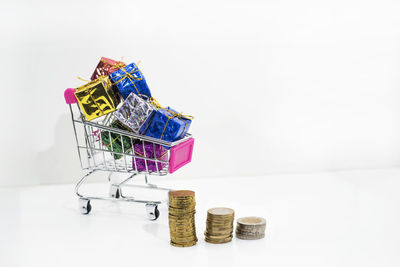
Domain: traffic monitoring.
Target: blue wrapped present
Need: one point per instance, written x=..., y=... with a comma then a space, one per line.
x=166, y=124
x=130, y=79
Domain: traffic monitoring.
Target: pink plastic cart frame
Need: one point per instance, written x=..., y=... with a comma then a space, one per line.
x=181, y=155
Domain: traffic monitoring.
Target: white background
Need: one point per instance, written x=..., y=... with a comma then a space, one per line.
x=290, y=92
x=340, y=219
x=275, y=86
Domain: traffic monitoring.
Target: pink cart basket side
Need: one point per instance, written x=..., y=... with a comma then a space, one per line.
x=181, y=155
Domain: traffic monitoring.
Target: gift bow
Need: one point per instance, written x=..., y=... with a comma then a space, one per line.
x=117, y=65
x=90, y=95
x=174, y=115
x=130, y=77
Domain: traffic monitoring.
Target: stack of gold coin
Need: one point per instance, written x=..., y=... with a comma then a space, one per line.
x=219, y=225
x=250, y=228
x=182, y=226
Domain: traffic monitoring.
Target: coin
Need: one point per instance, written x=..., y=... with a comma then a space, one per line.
x=219, y=225
x=247, y=237
x=182, y=218
x=251, y=221
x=250, y=228
x=187, y=244
x=218, y=240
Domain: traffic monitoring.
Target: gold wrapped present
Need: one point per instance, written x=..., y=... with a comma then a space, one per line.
x=96, y=98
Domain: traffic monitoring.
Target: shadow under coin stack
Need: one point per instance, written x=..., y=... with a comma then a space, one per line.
x=250, y=228
x=219, y=225
x=182, y=226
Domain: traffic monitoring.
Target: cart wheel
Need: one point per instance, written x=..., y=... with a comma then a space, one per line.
x=152, y=211
x=115, y=191
x=84, y=206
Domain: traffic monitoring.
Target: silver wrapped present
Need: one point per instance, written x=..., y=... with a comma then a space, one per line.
x=134, y=112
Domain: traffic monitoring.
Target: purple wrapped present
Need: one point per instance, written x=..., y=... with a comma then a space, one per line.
x=161, y=153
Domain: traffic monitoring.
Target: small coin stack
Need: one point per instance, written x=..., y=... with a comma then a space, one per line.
x=182, y=226
x=219, y=225
x=250, y=228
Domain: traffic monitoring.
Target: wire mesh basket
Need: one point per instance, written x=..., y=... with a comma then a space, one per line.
x=115, y=149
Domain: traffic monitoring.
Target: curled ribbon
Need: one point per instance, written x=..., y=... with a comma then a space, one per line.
x=118, y=65
x=90, y=95
x=129, y=76
x=174, y=115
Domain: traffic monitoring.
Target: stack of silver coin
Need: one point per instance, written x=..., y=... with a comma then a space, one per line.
x=250, y=228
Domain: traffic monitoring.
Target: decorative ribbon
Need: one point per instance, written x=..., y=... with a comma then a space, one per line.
x=130, y=77
x=174, y=115
x=154, y=154
x=79, y=78
x=117, y=65
x=90, y=95
x=122, y=144
x=112, y=142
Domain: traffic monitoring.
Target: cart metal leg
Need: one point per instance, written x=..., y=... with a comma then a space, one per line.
x=115, y=195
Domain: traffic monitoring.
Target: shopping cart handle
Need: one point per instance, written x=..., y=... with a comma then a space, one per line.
x=69, y=95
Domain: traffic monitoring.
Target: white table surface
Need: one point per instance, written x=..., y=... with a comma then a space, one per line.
x=323, y=219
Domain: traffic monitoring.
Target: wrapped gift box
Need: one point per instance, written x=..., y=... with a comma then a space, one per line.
x=116, y=142
x=130, y=80
x=96, y=98
x=134, y=112
x=166, y=124
x=150, y=151
x=106, y=66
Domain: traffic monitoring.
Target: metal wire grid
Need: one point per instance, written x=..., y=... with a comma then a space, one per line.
x=98, y=156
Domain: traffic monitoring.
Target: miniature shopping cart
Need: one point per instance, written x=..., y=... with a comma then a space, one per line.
x=96, y=155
